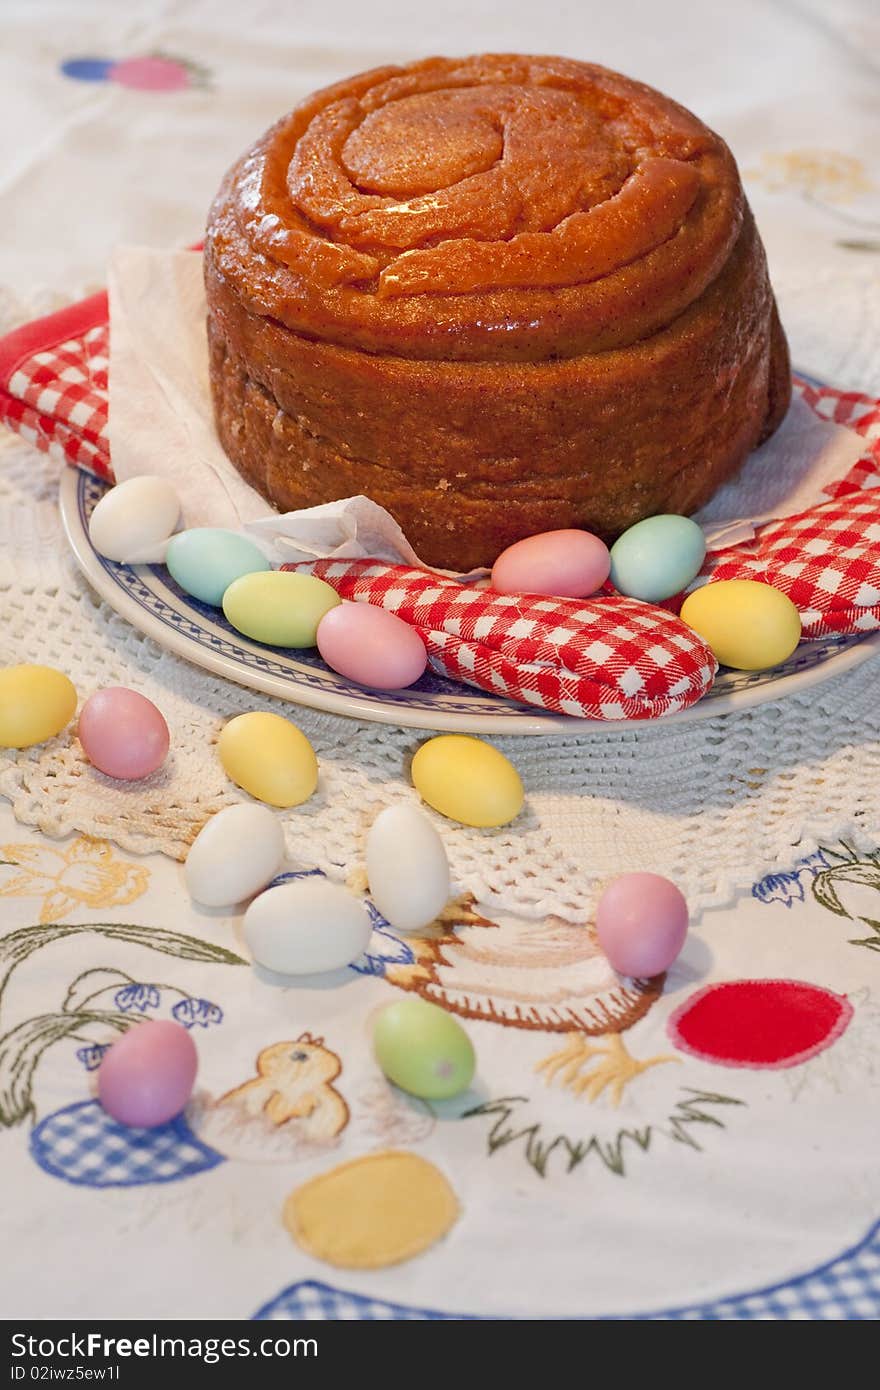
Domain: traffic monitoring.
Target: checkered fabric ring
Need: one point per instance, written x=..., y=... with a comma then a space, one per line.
x=604, y=658
x=827, y=560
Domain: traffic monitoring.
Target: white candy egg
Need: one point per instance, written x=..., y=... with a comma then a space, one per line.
x=407, y=868
x=234, y=855
x=132, y=522
x=306, y=926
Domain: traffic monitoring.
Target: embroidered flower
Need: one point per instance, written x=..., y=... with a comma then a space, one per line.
x=783, y=888
x=92, y=1056
x=822, y=174
x=148, y=72
x=140, y=997
x=813, y=863
x=199, y=1013
x=86, y=873
x=383, y=949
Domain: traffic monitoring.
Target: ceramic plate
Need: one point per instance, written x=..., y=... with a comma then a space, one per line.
x=147, y=597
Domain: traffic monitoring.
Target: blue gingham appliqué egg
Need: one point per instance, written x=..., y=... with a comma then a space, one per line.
x=82, y=1145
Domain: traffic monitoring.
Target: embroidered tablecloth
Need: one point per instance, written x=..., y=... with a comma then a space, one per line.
x=701, y=1147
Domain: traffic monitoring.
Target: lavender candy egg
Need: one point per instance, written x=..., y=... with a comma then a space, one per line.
x=123, y=734
x=148, y=1075
x=371, y=646
x=641, y=923
x=559, y=564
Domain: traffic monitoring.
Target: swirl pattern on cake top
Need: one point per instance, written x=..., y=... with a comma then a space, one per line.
x=465, y=179
x=433, y=225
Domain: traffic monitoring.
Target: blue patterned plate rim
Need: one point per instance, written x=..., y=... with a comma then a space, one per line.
x=147, y=597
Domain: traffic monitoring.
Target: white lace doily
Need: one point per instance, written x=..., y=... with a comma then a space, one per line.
x=715, y=804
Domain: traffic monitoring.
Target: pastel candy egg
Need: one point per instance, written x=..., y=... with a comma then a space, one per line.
x=371, y=646
x=305, y=927
x=641, y=923
x=280, y=608
x=564, y=564
x=467, y=780
x=132, y=522
x=407, y=868
x=206, y=560
x=35, y=704
x=268, y=757
x=658, y=557
x=122, y=733
x=235, y=854
x=148, y=1075
x=423, y=1049
x=748, y=625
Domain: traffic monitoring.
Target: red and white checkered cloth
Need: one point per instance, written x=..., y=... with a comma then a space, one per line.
x=621, y=660
x=827, y=560
x=53, y=384
x=600, y=658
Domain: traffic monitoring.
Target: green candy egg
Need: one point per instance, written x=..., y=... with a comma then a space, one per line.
x=423, y=1050
x=206, y=560
x=279, y=607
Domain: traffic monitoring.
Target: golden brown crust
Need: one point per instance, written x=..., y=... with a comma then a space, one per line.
x=497, y=295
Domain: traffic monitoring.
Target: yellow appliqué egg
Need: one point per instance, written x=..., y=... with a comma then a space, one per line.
x=372, y=1211
x=35, y=704
x=269, y=757
x=467, y=780
x=749, y=626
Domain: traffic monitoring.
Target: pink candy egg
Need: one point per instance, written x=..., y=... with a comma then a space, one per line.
x=371, y=646
x=560, y=564
x=122, y=733
x=148, y=1075
x=641, y=923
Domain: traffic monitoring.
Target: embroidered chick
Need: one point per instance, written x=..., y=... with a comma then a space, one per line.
x=293, y=1082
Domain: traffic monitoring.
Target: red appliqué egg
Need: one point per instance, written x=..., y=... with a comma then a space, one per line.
x=759, y=1023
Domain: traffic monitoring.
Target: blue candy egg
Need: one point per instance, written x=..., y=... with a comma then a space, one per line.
x=206, y=560
x=658, y=557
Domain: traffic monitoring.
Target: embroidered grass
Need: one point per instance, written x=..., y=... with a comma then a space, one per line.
x=688, y=1112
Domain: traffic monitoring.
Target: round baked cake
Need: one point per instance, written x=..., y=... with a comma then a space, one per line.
x=497, y=295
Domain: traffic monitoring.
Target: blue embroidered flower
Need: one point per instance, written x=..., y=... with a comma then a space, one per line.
x=783, y=888
x=91, y=1057
x=383, y=949
x=197, y=1013
x=788, y=887
x=293, y=874
x=812, y=863
x=140, y=997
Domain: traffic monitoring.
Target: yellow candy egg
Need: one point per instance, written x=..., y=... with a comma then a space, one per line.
x=268, y=757
x=35, y=704
x=279, y=607
x=467, y=780
x=748, y=625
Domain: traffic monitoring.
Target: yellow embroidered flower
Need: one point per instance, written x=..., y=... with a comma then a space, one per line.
x=824, y=174
x=83, y=874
